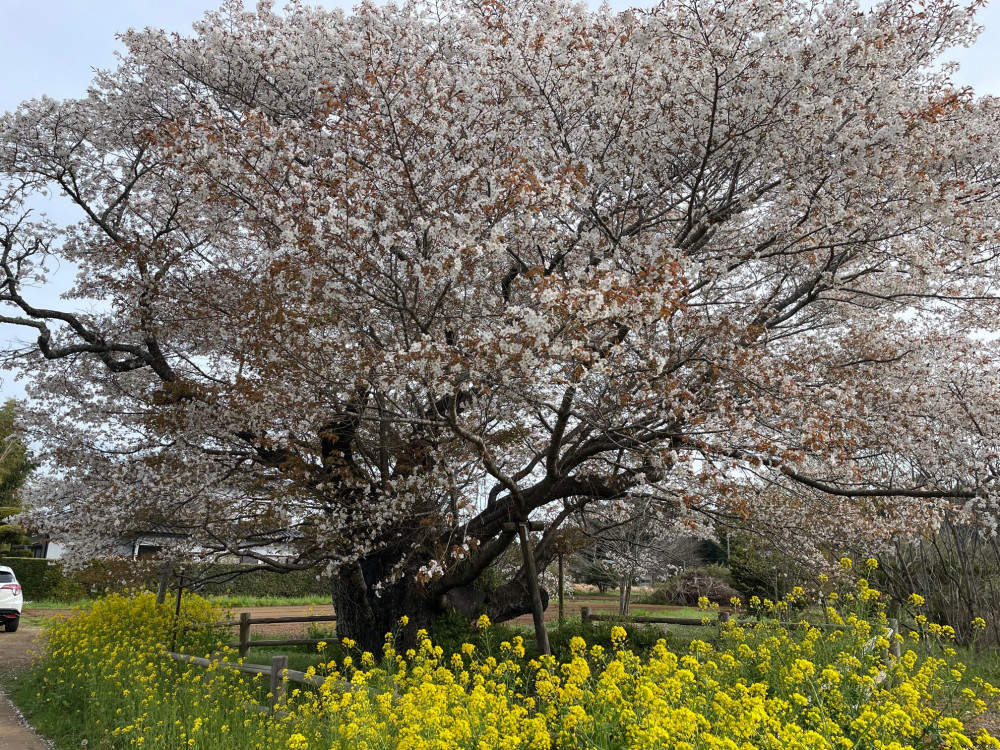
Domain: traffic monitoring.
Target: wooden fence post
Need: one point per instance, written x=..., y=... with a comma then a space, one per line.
x=244, y=633
x=585, y=616
x=163, y=582
x=894, y=641
x=277, y=689
x=177, y=612
x=562, y=582
x=723, y=618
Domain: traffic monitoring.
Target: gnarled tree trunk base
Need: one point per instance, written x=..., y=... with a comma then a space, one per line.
x=366, y=613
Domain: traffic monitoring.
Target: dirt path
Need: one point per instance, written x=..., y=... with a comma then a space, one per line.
x=15, y=655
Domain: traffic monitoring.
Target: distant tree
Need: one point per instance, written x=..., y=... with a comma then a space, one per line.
x=759, y=567
x=15, y=466
x=592, y=566
x=631, y=537
x=957, y=572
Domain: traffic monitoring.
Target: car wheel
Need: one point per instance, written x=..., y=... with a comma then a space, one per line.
x=11, y=625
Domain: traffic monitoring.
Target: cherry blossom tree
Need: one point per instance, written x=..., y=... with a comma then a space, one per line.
x=630, y=538
x=387, y=281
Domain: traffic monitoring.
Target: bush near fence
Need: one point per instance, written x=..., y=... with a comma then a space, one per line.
x=268, y=583
x=106, y=576
x=688, y=588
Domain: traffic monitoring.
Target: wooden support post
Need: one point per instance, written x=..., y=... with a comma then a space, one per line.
x=562, y=581
x=180, y=590
x=585, y=616
x=723, y=618
x=163, y=582
x=244, y=633
x=537, y=610
x=177, y=612
x=277, y=688
x=894, y=644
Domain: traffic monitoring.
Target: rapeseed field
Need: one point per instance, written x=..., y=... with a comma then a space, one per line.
x=832, y=685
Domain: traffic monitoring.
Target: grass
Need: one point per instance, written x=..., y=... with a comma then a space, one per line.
x=63, y=729
x=983, y=662
x=222, y=600
x=299, y=657
x=34, y=620
x=240, y=601
x=692, y=612
x=58, y=604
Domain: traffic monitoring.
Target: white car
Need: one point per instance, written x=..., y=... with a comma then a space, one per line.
x=11, y=599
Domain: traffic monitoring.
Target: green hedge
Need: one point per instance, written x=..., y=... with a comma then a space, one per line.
x=264, y=582
x=46, y=579
x=41, y=579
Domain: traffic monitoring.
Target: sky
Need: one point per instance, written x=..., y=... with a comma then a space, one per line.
x=51, y=47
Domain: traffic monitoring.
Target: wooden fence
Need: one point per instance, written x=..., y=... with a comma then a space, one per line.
x=587, y=618
x=277, y=671
x=244, y=644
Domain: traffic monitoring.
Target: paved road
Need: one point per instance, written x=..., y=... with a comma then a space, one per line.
x=14, y=656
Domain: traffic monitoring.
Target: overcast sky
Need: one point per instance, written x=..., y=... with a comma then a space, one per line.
x=52, y=46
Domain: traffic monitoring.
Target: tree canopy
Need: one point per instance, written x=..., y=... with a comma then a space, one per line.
x=389, y=279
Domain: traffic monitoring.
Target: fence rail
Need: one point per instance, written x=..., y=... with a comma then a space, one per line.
x=244, y=644
x=277, y=671
x=894, y=647
x=278, y=620
x=588, y=617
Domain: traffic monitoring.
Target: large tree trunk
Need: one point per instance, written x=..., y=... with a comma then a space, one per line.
x=511, y=600
x=365, y=614
x=355, y=617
